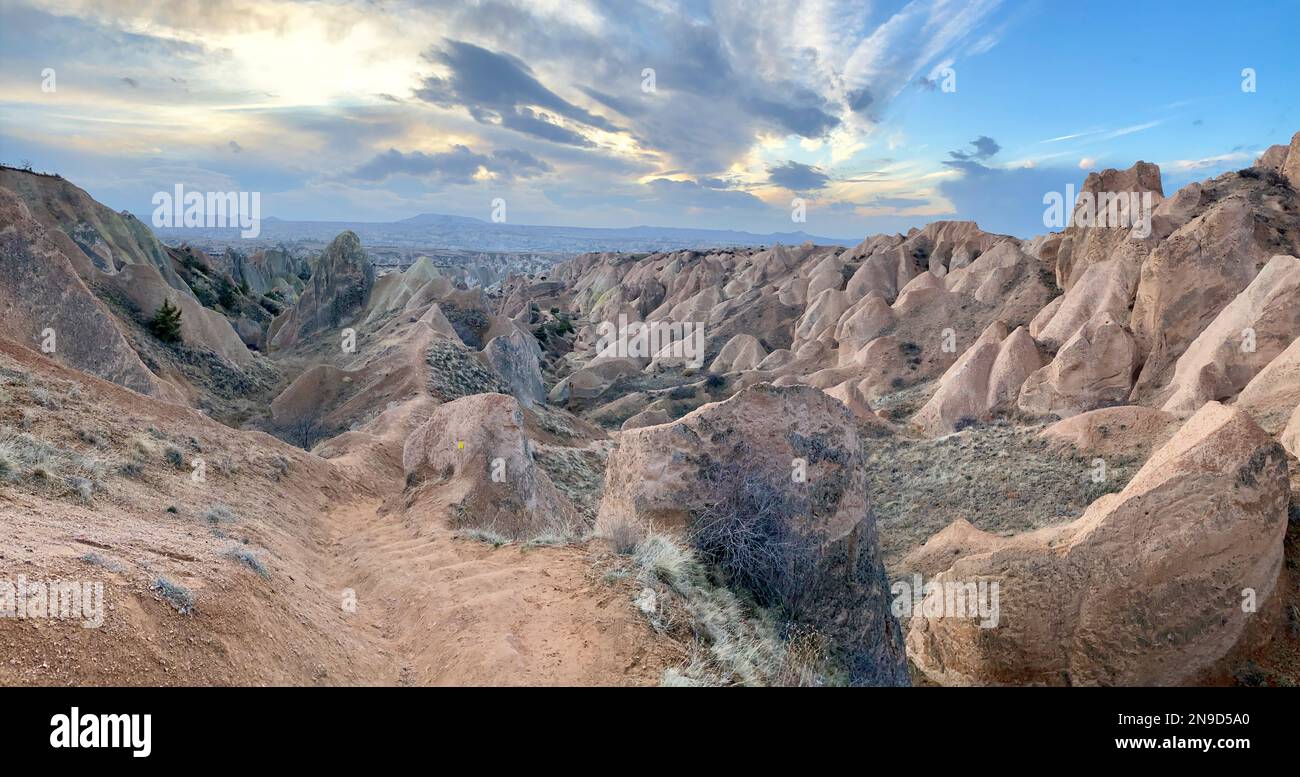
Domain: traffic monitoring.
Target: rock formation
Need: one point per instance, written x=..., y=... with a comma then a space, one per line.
x=1145, y=589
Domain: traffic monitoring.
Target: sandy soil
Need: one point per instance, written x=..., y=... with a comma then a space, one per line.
x=430, y=608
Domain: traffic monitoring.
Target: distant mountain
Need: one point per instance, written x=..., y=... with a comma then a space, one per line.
x=472, y=234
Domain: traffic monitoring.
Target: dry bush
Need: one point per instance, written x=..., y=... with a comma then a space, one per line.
x=622, y=535
x=750, y=532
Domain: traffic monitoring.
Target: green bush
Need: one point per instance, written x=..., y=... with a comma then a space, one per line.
x=166, y=323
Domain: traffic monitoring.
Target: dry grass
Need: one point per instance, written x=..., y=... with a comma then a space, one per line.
x=732, y=641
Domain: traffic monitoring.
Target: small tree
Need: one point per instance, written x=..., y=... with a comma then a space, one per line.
x=166, y=323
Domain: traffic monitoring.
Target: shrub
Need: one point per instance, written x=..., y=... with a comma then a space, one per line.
x=178, y=596
x=621, y=535
x=91, y=437
x=42, y=397
x=220, y=514
x=715, y=381
x=750, y=533
x=484, y=535
x=95, y=559
x=226, y=294
x=174, y=457
x=82, y=487
x=668, y=562
x=681, y=392
x=248, y=559
x=166, y=323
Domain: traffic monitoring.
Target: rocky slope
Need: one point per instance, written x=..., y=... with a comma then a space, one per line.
x=1099, y=423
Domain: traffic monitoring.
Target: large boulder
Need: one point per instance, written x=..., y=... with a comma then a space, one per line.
x=1290, y=436
x=1270, y=396
x=986, y=378
x=742, y=352
x=1093, y=369
x=1105, y=286
x=1146, y=588
x=803, y=447
x=472, y=464
x=1128, y=430
x=516, y=358
x=340, y=286
x=1189, y=277
x=1246, y=335
x=1284, y=160
x=1091, y=236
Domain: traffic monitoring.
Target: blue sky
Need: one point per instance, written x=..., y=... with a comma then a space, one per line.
x=382, y=110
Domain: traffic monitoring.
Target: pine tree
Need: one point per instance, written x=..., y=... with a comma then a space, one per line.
x=166, y=323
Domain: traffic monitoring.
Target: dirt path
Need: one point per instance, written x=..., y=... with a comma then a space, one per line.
x=438, y=610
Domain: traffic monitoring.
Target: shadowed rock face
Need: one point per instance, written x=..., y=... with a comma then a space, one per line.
x=51, y=296
x=663, y=478
x=515, y=358
x=339, y=287
x=105, y=239
x=1246, y=335
x=473, y=462
x=1283, y=160
x=1145, y=588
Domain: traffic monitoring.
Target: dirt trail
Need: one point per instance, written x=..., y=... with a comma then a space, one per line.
x=439, y=610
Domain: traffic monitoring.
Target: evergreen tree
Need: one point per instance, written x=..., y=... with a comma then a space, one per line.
x=166, y=323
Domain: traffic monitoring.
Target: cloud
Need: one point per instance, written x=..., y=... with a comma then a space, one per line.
x=985, y=147
x=235, y=147
x=692, y=194
x=1209, y=162
x=897, y=202
x=498, y=88
x=802, y=114
x=1087, y=163
x=797, y=177
x=1008, y=201
x=460, y=165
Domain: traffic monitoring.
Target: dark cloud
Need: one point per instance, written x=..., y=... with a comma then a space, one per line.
x=803, y=113
x=235, y=147
x=459, y=165
x=797, y=177
x=860, y=100
x=501, y=89
x=985, y=147
x=625, y=107
x=131, y=82
x=530, y=122
x=1008, y=201
x=692, y=194
x=517, y=164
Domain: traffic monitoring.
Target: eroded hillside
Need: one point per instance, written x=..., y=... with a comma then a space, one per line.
x=334, y=476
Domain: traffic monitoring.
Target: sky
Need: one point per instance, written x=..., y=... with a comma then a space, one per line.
x=878, y=116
